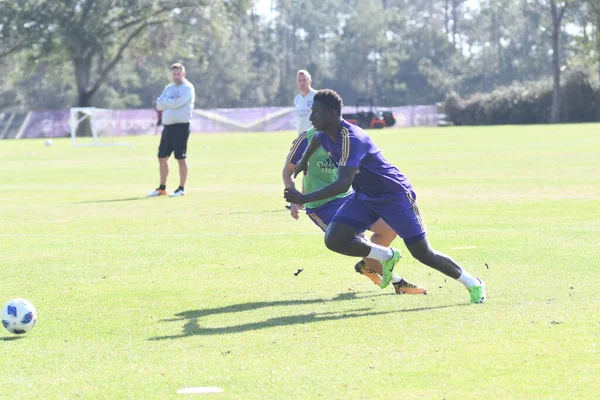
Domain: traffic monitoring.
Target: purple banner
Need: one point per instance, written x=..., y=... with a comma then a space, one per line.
x=143, y=121
x=46, y=124
x=263, y=119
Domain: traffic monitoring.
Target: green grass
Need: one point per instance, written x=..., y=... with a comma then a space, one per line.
x=139, y=297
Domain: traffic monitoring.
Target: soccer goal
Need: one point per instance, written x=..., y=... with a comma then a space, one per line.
x=92, y=126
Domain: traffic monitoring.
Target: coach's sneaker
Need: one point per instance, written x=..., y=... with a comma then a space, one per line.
x=406, y=287
x=388, y=268
x=477, y=293
x=157, y=192
x=178, y=192
x=362, y=268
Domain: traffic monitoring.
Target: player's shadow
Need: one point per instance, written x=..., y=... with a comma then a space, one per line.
x=111, y=200
x=192, y=325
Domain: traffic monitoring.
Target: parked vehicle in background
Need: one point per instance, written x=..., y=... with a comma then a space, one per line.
x=369, y=118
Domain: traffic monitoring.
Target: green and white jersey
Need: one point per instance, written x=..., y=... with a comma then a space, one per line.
x=322, y=171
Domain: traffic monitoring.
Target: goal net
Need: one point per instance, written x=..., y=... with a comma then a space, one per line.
x=92, y=126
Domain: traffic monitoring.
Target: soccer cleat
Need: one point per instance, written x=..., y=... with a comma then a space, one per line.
x=477, y=293
x=177, y=193
x=388, y=268
x=157, y=192
x=406, y=287
x=362, y=268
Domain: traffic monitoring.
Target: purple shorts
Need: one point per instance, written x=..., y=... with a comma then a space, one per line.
x=400, y=211
x=323, y=215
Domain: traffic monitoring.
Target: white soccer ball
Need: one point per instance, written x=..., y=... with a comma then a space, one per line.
x=48, y=142
x=19, y=316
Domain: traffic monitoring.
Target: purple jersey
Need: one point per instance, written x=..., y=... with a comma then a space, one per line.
x=354, y=148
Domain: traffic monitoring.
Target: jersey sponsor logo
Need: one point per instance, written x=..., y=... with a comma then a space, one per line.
x=304, y=108
x=327, y=166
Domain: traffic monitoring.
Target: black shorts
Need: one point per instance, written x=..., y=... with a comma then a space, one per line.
x=174, y=139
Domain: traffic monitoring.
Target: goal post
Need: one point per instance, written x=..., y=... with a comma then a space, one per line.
x=89, y=125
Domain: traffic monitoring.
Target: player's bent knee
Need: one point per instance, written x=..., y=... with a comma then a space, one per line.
x=423, y=255
x=383, y=240
x=338, y=236
x=422, y=252
x=382, y=232
x=332, y=242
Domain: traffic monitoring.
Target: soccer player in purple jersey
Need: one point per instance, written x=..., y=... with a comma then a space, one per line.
x=381, y=191
x=322, y=172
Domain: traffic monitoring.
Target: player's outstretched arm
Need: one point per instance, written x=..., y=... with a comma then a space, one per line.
x=302, y=165
x=299, y=145
x=341, y=185
x=288, y=175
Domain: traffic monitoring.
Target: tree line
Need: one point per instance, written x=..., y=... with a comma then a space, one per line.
x=115, y=53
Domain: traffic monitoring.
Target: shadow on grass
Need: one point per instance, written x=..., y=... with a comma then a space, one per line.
x=192, y=317
x=11, y=338
x=111, y=200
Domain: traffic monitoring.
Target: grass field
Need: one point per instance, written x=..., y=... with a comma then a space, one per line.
x=139, y=297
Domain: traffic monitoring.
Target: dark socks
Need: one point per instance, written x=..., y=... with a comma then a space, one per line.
x=162, y=187
x=180, y=188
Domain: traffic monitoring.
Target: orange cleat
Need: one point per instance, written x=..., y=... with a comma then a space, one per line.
x=406, y=287
x=361, y=268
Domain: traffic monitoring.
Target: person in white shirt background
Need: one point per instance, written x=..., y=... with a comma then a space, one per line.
x=303, y=101
x=177, y=104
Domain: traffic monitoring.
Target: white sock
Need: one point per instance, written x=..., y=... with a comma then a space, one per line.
x=380, y=253
x=396, y=278
x=468, y=280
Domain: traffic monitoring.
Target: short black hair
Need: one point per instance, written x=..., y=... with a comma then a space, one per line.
x=330, y=99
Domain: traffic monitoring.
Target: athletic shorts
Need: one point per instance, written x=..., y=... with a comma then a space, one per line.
x=323, y=215
x=400, y=211
x=174, y=140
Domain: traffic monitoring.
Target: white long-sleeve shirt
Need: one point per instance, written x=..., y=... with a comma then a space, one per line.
x=177, y=103
x=303, y=109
